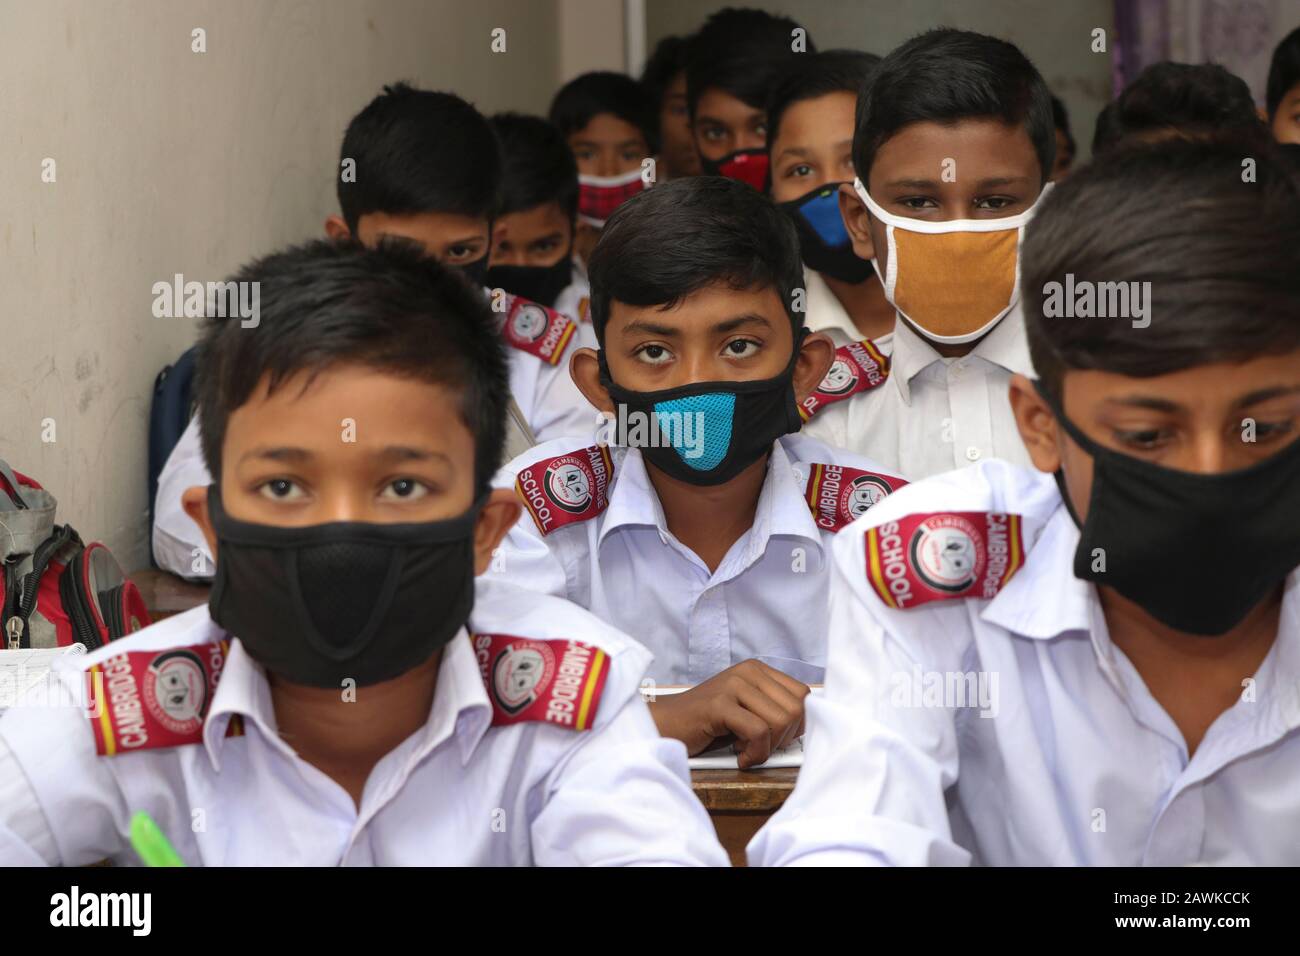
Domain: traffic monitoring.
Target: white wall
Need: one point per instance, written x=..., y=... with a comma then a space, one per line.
x=1055, y=35
x=172, y=161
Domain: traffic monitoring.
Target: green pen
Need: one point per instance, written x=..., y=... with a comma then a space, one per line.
x=149, y=842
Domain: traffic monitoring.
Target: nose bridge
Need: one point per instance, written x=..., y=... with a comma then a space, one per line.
x=1211, y=451
x=749, y=139
x=607, y=161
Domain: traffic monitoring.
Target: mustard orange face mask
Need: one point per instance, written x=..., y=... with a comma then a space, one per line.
x=952, y=280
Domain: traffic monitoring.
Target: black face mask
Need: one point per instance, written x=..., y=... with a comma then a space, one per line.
x=324, y=603
x=474, y=271
x=823, y=241
x=1196, y=552
x=709, y=432
x=542, y=284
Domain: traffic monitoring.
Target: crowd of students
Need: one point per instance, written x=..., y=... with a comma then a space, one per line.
x=814, y=368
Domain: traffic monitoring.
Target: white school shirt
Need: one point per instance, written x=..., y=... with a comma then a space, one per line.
x=766, y=600
x=934, y=414
x=546, y=395
x=1077, y=763
x=575, y=297
x=826, y=313
x=460, y=791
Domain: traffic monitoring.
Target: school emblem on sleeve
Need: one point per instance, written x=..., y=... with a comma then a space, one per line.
x=536, y=329
x=837, y=495
x=555, y=681
x=568, y=488
x=858, y=367
x=175, y=690
x=568, y=484
x=145, y=700
x=518, y=671
x=932, y=557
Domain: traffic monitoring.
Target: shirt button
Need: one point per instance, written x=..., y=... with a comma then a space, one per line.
x=972, y=453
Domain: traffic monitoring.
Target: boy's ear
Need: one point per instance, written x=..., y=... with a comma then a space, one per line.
x=336, y=228
x=816, y=355
x=584, y=367
x=195, y=502
x=496, y=518
x=855, y=216
x=1037, y=425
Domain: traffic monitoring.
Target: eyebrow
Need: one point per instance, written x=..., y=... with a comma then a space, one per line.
x=1147, y=402
x=912, y=184
x=547, y=238
x=1264, y=394
x=285, y=453
x=980, y=184
x=747, y=320
x=594, y=144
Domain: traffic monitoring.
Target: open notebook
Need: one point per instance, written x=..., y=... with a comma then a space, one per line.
x=23, y=672
x=724, y=758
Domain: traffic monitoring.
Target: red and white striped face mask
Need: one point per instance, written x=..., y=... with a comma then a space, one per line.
x=599, y=196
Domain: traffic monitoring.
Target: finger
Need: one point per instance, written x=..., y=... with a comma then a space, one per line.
x=778, y=718
x=791, y=710
x=752, y=733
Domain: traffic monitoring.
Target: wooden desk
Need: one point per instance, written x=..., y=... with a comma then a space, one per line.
x=740, y=801
x=165, y=594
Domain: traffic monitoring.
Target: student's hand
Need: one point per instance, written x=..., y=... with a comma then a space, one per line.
x=752, y=703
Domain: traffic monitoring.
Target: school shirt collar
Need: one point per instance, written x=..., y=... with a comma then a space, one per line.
x=824, y=311
x=781, y=508
x=1045, y=599
x=460, y=703
x=1005, y=346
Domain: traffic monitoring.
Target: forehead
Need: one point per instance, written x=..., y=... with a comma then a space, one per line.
x=699, y=312
x=312, y=412
x=821, y=121
x=433, y=230
x=980, y=148
x=722, y=106
x=1211, y=387
x=525, y=224
x=606, y=128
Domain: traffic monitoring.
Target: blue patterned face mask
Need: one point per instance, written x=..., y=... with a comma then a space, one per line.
x=708, y=432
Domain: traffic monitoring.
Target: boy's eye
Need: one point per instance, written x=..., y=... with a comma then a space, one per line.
x=1145, y=439
x=280, y=489
x=714, y=133
x=760, y=129
x=1267, y=431
x=407, y=488
x=799, y=171
x=994, y=203
x=917, y=202
x=461, y=253
x=653, y=354
x=742, y=348
x=631, y=155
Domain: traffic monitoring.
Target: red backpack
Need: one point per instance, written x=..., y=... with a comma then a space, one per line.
x=55, y=590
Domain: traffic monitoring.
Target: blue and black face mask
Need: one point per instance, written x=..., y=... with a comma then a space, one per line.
x=823, y=241
x=706, y=433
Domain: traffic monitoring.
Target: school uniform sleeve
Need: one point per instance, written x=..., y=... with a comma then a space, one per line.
x=526, y=558
x=60, y=801
x=559, y=408
x=877, y=762
x=623, y=797
x=175, y=535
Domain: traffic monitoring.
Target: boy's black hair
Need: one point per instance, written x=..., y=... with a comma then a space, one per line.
x=1283, y=71
x=418, y=151
x=1192, y=100
x=1222, y=257
x=947, y=75
x=325, y=304
x=722, y=230
x=538, y=166
x=667, y=60
x=582, y=99
x=1061, y=117
x=740, y=51
x=814, y=75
